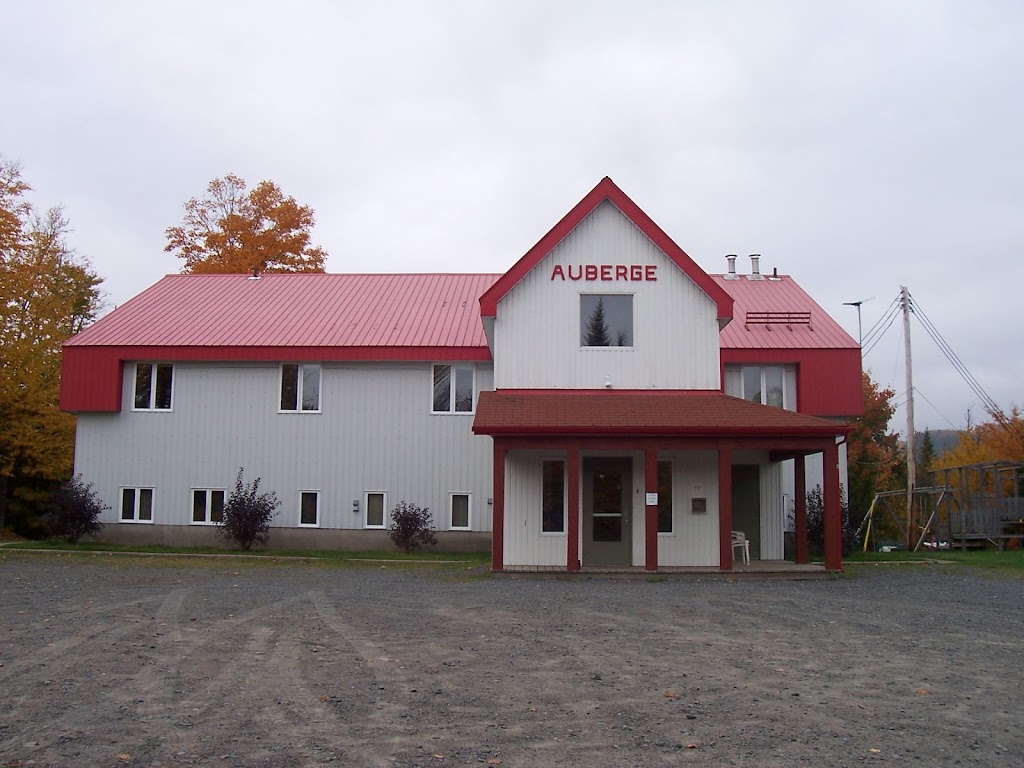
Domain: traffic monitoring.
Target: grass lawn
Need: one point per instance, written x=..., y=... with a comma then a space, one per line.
x=1010, y=561
x=470, y=558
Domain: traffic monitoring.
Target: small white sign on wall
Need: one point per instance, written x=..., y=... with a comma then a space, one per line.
x=652, y=500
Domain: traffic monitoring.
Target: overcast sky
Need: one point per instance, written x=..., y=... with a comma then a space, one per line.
x=857, y=146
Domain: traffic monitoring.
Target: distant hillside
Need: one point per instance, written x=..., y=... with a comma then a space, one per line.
x=942, y=439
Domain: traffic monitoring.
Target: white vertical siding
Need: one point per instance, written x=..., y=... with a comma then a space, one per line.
x=525, y=543
x=375, y=432
x=675, y=328
x=773, y=514
x=694, y=539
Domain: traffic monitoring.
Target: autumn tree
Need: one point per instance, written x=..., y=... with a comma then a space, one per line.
x=233, y=231
x=1001, y=439
x=47, y=294
x=873, y=452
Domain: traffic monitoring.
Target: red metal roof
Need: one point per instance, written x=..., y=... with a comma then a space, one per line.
x=682, y=413
x=778, y=297
x=299, y=310
x=606, y=189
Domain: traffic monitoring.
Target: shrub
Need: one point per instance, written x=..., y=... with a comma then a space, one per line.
x=247, y=514
x=72, y=511
x=411, y=527
x=816, y=522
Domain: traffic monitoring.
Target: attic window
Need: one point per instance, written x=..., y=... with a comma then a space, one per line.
x=784, y=318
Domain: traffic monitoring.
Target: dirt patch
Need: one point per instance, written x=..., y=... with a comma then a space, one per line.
x=108, y=661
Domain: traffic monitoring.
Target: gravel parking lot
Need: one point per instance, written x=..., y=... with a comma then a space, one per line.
x=118, y=661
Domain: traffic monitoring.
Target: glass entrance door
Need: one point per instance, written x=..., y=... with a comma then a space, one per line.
x=607, y=507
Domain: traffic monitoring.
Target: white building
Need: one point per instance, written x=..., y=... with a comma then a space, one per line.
x=605, y=401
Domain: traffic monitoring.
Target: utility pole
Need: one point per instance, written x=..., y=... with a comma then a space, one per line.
x=911, y=460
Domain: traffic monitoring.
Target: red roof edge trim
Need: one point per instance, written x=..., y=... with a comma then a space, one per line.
x=606, y=189
x=704, y=431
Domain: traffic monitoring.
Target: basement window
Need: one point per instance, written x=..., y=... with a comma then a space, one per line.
x=136, y=505
x=207, y=506
x=460, y=511
x=375, y=504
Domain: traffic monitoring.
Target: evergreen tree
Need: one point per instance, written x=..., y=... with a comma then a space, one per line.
x=925, y=459
x=596, y=334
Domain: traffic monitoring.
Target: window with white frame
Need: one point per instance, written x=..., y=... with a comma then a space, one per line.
x=453, y=389
x=300, y=387
x=764, y=384
x=375, y=504
x=665, y=524
x=606, y=320
x=309, y=508
x=460, y=512
x=136, y=505
x=207, y=506
x=553, y=496
x=154, y=383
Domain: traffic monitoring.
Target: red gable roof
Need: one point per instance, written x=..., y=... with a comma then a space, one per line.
x=299, y=310
x=778, y=297
x=602, y=412
x=605, y=190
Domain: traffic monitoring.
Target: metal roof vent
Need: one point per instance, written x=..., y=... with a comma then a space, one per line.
x=255, y=275
x=731, y=258
x=755, y=267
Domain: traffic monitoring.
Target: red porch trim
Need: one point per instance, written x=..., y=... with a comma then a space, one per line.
x=572, y=545
x=725, y=509
x=800, y=509
x=650, y=510
x=498, y=509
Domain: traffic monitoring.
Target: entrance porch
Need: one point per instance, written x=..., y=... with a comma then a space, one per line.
x=651, y=481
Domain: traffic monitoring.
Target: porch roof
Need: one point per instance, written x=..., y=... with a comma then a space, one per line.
x=617, y=412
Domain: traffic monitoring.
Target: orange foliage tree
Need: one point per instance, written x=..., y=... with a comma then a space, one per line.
x=47, y=294
x=1001, y=439
x=231, y=231
x=873, y=452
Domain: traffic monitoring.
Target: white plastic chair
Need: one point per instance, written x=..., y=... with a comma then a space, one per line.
x=740, y=540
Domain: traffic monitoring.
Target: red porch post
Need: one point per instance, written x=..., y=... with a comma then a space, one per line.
x=572, y=544
x=725, y=508
x=832, y=512
x=800, y=509
x=650, y=510
x=498, y=509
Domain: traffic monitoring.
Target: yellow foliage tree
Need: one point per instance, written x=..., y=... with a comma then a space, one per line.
x=47, y=294
x=232, y=232
x=1001, y=439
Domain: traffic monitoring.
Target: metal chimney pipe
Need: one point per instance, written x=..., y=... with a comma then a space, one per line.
x=755, y=267
x=731, y=258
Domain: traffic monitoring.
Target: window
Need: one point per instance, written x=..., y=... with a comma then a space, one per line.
x=375, y=504
x=553, y=497
x=136, y=505
x=665, y=497
x=606, y=320
x=309, y=508
x=300, y=387
x=764, y=385
x=153, y=384
x=453, y=389
x=460, y=511
x=207, y=506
